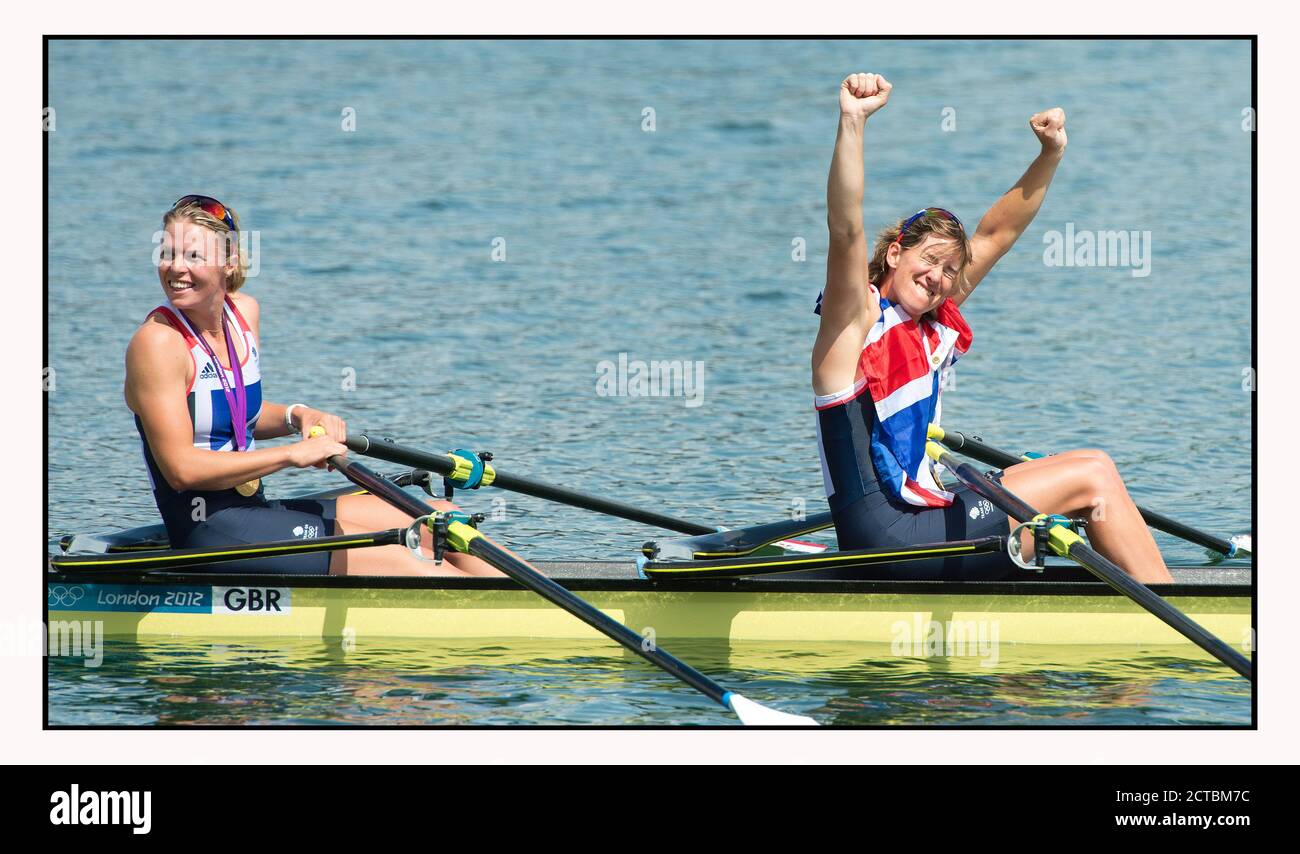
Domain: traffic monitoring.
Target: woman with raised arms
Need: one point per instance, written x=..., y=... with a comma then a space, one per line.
x=194, y=382
x=891, y=324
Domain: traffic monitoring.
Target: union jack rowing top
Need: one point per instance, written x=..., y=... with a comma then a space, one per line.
x=902, y=365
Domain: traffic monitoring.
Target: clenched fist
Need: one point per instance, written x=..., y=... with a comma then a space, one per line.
x=863, y=94
x=1049, y=127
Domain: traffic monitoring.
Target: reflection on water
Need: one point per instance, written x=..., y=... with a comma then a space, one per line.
x=429, y=683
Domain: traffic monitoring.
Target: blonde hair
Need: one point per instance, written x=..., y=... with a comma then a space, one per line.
x=944, y=227
x=194, y=212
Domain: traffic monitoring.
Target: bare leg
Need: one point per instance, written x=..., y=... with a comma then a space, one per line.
x=1087, y=484
x=358, y=514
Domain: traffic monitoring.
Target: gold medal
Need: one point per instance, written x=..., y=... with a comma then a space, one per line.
x=249, y=489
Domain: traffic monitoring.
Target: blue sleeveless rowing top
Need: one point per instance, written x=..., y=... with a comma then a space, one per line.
x=210, y=416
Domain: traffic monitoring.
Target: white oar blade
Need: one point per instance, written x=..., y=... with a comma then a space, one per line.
x=756, y=714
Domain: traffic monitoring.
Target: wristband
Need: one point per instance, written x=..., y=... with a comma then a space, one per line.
x=288, y=416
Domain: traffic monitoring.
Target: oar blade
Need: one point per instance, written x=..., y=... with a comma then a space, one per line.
x=756, y=714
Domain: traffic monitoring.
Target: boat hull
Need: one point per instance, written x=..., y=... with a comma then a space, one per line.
x=736, y=611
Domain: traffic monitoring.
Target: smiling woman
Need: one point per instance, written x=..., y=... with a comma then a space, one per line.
x=891, y=328
x=194, y=382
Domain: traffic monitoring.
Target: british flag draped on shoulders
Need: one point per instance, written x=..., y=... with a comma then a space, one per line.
x=902, y=366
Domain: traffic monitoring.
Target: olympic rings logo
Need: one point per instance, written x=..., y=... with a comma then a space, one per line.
x=64, y=597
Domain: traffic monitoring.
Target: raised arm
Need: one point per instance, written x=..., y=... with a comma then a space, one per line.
x=1003, y=224
x=849, y=306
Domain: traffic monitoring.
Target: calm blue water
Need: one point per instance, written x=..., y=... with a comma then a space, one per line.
x=376, y=257
x=491, y=683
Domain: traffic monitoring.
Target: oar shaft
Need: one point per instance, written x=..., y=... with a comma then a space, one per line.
x=1161, y=522
x=1090, y=559
x=985, y=488
x=978, y=449
x=379, y=486
x=1104, y=569
x=536, y=582
x=467, y=539
x=443, y=464
x=630, y=640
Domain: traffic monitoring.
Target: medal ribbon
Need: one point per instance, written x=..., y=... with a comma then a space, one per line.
x=236, y=398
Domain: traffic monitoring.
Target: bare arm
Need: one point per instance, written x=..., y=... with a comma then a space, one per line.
x=1002, y=225
x=157, y=367
x=849, y=306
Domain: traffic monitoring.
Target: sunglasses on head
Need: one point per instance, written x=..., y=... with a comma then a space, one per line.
x=921, y=214
x=209, y=206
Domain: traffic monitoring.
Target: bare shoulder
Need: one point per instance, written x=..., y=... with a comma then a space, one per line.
x=246, y=304
x=157, y=363
x=155, y=342
x=154, y=331
x=251, y=311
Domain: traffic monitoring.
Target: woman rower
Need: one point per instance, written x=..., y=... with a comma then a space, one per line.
x=193, y=380
x=890, y=327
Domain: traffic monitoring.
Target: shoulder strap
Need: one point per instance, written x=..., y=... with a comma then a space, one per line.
x=177, y=322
